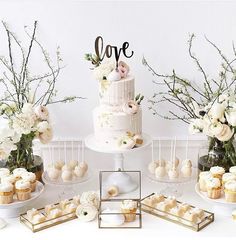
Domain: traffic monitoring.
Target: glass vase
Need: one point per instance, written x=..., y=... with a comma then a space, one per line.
x=217, y=153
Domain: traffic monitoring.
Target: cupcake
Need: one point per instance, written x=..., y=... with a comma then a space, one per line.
x=233, y=170
x=18, y=172
x=9, y=179
x=129, y=208
x=23, y=190
x=203, y=176
x=228, y=177
x=217, y=172
x=230, y=191
x=213, y=188
x=4, y=172
x=6, y=193
x=30, y=177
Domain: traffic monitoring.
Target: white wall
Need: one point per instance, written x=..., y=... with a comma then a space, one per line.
x=158, y=30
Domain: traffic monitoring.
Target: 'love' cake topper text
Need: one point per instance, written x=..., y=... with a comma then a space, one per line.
x=110, y=50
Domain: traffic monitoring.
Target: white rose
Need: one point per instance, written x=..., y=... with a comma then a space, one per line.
x=43, y=126
x=46, y=136
x=217, y=111
x=196, y=125
x=226, y=134
x=28, y=109
x=42, y=112
x=5, y=130
x=215, y=128
x=90, y=197
x=231, y=117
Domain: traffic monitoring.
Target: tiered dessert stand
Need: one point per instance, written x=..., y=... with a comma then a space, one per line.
x=122, y=180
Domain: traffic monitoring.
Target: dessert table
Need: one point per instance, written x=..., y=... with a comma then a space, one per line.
x=153, y=227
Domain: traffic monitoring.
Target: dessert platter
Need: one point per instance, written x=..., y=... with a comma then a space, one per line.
x=17, y=190
x=64, y=171
x=173, y=172
x=218, y=188
x=170, y=209
x=118, y=119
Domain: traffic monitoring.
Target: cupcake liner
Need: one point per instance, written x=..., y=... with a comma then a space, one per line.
x=214, y=193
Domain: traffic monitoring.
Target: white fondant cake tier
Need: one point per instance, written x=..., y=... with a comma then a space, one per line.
x=110, y=126
x=117, y=92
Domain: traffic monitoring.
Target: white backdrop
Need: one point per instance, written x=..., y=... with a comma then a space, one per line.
x=158, y=30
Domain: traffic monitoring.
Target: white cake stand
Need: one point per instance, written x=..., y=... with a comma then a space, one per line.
x=219, y=205
x=15, y=208
x=122, y=180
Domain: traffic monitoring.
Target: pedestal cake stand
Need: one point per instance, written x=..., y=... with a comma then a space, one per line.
x=122, y=180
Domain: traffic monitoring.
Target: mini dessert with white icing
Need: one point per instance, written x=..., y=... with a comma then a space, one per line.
x=203, y=176
x=230, y=191
x=6, y=193
x=129, y=208
x=23, y=190
x=18, y=172
x=213, y=188
x=217, y=172
x=4, y=172
x=30, y=177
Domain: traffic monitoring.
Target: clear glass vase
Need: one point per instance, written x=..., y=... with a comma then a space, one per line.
x=217, y=154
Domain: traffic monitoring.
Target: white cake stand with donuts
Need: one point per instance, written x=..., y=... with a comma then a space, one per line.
x=17, y=207
x=122, y=180
x=220, y=205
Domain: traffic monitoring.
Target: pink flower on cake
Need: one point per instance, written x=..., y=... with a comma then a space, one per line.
x=131, y=107
x=123, y=69
x=42, y=112
x=46, y=136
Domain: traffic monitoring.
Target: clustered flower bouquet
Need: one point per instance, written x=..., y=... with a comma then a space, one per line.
x=208, y=106
x=23, y=101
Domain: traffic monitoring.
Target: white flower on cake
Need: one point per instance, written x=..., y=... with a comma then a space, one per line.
x=131, y=107
x=90, y=197
x=42, y=112
x=102, y=71
x=123, y=69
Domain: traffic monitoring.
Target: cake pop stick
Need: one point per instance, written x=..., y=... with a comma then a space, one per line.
x=153, y=164
x=160, y=171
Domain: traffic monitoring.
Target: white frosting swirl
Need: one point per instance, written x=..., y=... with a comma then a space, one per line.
x=233, y=170
x=228, y=176
x=213, y=183
x=8, y=179
x=19, y=171
x=231, y=185
x=22, y=184
x=129, y=204
x=217, y=170
x=205, y=175
x=6, y=187
x=29, y=176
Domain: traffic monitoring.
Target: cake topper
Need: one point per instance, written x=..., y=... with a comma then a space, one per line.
x=109, y=50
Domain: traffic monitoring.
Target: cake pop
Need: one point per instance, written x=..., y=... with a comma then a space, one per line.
x=186, y=168
x=160, y=171
x=153, y=164
x=173, y=172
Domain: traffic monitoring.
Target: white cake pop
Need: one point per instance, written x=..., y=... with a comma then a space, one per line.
x=160, y=172
x=83, y=165
x=53, y=173
x=58, y=164
x=186, y=171
x=79, y=172
x=66, y=175
x=173, y=173
x=152, y=167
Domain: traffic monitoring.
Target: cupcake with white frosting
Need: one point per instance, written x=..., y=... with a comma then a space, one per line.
x=6, y=193
x=217, y=172
x=23, y=190
x=203, y=176
x=9, y=179
x=228, y=177
x=213, y=188
x=230, y=191
x=129, y=208
x=30, y=177
x=18, y=172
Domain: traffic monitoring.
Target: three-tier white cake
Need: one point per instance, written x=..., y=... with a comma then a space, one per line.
x=118, y=118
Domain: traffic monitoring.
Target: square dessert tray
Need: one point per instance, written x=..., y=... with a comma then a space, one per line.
x=47, y=223
x=206, y=219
